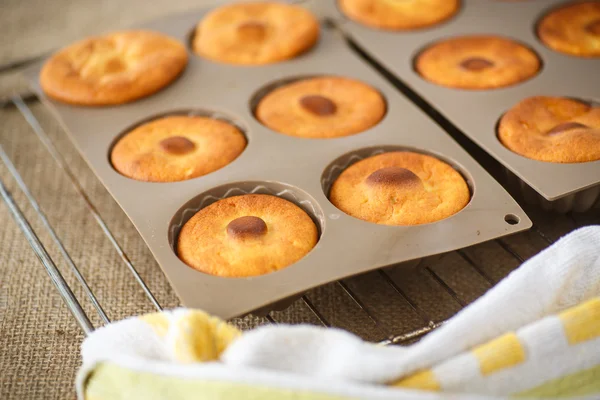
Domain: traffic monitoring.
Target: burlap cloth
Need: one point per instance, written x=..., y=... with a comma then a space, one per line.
x=38, y=337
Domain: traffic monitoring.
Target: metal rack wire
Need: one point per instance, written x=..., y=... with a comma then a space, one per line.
x=84, y=320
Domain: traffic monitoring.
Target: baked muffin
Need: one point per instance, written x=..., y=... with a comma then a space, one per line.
x=573, y=29
x=247, y=235
x=112, y=69
x=323, y=107
x=477, y=62
x=255, y=33
x=399, y=15
x=553, y=129
x=400, y=188
x=176, y=148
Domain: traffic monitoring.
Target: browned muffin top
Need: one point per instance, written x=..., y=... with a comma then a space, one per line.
x=553, y=129
x=255, y=33
x=176, y=148
x=573, y=29
x=112, y=69
x=322, y=107
x=400, y=188
x=246, y=235
x=477, y=62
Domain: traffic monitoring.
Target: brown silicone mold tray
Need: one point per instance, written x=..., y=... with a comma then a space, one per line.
x=296, y=169
x=561, y=187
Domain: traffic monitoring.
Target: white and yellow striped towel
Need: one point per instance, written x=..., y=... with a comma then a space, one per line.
x=535, y=335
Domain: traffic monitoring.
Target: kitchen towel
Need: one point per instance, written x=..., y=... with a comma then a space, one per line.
x=534, y=335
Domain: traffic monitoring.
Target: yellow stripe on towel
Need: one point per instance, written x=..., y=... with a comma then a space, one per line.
x=582, y=383
x=113, y=382
x=582, y=323
x=195, y=335
x=503, y=352
x=158, y=321
x=201, y=338
x=424, y=380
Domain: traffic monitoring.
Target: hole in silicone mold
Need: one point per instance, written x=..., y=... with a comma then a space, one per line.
x=185, y=112
x=269, y=87
x=282, y=190
x=189, y=39
x=512, y=219
x=340, y=164
x=417, y=54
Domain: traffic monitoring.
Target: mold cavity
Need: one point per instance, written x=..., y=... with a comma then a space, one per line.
x=427, y=27
x=416, y=56
x=282, y=190
x=588, y=102
x=512, y=219
x=392, y=180
x=317, y=104
x=542, y=15
x=131, y=158
x=333, y=170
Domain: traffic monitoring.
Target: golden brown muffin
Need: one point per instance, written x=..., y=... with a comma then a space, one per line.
x=176, y=148
x=399, y=15
x=112, y=69
x=324, y=107
x=573, y=29
x=247, y=235
x=477, y=62
x=553, y=129
x=255, y=33
x=400, y=188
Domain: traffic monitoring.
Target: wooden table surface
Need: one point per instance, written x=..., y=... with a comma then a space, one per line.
x=39, y=337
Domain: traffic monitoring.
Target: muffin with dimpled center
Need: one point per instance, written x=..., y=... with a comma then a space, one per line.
x=400, y=188
x=552, y=129
x=322, y=108
x=246, y=235
x=116, y=68
x=176, y=148
x=399, y=15
x=573, y=29
x=255, y=33
x=477, y=62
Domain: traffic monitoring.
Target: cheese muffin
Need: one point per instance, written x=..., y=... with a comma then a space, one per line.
x=255, y=33
x=573, y=29
x=399, y=15
x=248, y=235
x=113, y=69
x=400, y=188
x=552, y=129
x=321, y=108
x=177, y=147
x=477, y=62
